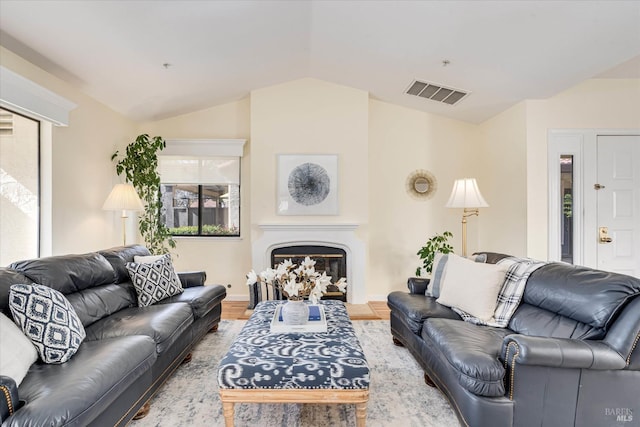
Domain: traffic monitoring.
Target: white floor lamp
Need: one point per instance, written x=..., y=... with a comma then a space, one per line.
x=123, y=198
x=465, y=194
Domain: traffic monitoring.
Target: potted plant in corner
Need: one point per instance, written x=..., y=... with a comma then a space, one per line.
x=140, y=167
x=437, y=243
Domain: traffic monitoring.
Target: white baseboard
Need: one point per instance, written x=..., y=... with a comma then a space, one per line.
x=377, y=297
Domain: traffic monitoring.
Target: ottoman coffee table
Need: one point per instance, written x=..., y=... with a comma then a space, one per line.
x=312, y=367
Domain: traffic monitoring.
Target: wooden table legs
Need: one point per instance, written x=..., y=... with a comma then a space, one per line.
x=230, y=397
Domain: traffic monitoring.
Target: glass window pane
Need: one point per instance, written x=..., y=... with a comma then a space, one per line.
x=566, y=219
x=19, y=187
x=221, y=210
x=201, y=210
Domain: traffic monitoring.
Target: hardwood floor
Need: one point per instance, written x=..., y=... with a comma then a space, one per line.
x=234, y=310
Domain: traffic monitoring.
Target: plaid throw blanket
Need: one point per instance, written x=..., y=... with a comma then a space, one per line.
x=511, y=293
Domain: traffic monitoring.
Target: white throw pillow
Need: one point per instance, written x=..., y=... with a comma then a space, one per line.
x=472, y=287
x=17, y=353
x=439, y=270
x=149, y=259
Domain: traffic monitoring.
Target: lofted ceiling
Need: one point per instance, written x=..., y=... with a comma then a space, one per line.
x=502, y=52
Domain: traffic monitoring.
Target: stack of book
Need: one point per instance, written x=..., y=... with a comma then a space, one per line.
x=317, y=321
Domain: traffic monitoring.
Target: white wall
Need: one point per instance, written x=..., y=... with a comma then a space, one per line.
x=226, y=260
x=82, y=172
x=403, y=140
x=309, y=116
x=503, y=182
x=378, y=144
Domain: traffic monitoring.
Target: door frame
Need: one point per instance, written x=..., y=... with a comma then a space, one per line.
x=582, y=144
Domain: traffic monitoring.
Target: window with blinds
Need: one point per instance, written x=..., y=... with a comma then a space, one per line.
x=200, y=187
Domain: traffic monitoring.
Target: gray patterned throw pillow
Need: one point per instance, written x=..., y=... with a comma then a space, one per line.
x=154, y=281
x=48, y=319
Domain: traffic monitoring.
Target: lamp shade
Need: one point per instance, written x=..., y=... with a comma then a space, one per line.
x=123, y=197
x=465, y=194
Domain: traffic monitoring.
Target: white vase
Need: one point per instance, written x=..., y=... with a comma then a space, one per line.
x=295, y=312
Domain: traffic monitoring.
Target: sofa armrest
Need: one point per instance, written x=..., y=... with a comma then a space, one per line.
x=417, y=285
x=9, y=402
x=192, y=278
x=560, y=353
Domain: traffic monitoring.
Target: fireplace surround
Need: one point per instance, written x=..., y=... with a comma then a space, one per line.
x=340, y=236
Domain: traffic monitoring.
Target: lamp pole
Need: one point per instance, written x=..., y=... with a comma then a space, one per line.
x=467, y=213
x=124, y=227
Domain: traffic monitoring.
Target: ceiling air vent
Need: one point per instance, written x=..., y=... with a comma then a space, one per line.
x=436, y=92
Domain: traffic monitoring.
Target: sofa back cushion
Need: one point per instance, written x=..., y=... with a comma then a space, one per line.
x=95, y=303
x=68, y=273
x=9, y=277
x=567, y=301
x=118, y=257
x=88, y=281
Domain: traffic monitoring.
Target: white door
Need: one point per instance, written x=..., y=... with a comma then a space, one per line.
x=618, y=204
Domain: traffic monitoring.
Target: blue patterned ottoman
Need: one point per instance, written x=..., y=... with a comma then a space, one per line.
x=327, y=367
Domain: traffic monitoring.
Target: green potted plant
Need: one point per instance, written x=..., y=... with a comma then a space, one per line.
x=437, y=243
x=140, y=167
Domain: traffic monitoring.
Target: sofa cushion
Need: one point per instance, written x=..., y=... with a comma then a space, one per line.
x=19, y=355
x=95, y=303
x=531, y=320
x=472, y=351
x=164, y=323
x=154, y=281
x=9, y=277
x=582, y=295
x=472, y=287
x=47, y=318
x=119, y=256
x=80, y=390
x=68, y=273
x=416, y=309
x=201, y=299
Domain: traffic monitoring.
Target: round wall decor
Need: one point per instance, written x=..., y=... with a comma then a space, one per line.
x=421, y=184
x=309, y=184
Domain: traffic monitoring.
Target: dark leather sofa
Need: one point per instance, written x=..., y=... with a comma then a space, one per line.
x=569, y=356
x=129, y=351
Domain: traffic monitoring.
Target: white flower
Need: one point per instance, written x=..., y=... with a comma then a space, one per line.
x=342, y=284
x=286, y=264
x=296, y=281
x=323, y=281
x=315, y=295
x=308, y=263
x=292, y=287
x=268, y=275
x=252, y=277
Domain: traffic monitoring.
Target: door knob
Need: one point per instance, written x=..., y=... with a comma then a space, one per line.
x=604, y=235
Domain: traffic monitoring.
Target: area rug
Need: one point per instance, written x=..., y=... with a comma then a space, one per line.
x=398, y=394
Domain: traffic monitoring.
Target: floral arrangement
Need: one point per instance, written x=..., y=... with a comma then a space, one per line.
x=297, y=282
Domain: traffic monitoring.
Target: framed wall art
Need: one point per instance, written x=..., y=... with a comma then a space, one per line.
x=307, y=184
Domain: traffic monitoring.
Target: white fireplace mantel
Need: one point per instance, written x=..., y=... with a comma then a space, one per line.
x=340, y=235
